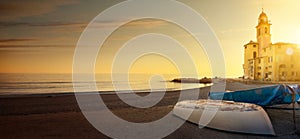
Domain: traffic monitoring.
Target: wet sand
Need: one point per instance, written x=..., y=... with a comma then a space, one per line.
x=59, y=116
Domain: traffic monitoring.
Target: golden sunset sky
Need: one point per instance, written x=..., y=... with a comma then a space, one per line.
x=41, y=36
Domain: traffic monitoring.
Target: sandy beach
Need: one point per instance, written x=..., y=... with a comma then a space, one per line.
x=59, y=116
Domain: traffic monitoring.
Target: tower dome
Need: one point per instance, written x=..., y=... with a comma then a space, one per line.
x=263, y=15
x=263, y=18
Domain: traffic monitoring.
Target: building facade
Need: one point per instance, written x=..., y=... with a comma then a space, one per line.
x=267, y=61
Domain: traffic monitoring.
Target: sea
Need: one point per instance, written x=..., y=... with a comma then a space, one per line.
x=22, y=84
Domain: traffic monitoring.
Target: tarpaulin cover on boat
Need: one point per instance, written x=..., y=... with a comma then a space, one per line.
x=271, y=95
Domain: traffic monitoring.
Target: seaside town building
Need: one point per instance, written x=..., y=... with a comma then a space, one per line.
x=267, y=61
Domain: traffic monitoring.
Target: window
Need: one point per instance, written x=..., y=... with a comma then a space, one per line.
x=259, y=68
x=270, y=59
x=293, y=73
x=254, y=46
x=270, y=73
x=259, y=61
x=254, y=54
x=282, y=66
x=292, y=66
x=266, y=30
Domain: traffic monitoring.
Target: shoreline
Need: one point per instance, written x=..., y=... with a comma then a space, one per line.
x=95, y=93
x=112, y=91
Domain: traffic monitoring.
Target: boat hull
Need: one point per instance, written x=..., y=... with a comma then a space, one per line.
x=265, y=96
x=235, y=120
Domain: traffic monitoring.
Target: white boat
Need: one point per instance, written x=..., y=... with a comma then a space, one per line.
x=226, y=116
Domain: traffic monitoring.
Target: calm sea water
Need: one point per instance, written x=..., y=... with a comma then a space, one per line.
x=62, y=83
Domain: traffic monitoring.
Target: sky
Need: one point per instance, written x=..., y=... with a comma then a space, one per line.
x=41, y=36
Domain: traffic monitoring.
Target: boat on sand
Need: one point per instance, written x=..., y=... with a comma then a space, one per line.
x=264, y=96
x=225, y=115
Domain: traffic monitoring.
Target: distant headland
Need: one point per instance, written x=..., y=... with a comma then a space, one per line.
x=204, y=80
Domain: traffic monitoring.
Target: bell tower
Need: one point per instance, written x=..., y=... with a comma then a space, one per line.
x=263, y=32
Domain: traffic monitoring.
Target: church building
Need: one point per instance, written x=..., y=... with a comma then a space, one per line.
x=267, y=61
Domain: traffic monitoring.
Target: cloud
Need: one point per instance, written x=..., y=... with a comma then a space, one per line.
x=16, y=40
x=62, y=32
x=59, y=24
x=35, y=49
x=147, y=23
x=12, y=24
x=13, y=9
x=47, y=24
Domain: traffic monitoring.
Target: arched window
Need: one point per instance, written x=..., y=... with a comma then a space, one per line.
x=254, y=54
x=266, y=30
